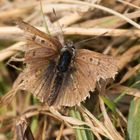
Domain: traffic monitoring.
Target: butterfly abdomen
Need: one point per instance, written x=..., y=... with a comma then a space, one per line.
x=55, y=88
x=64, y=61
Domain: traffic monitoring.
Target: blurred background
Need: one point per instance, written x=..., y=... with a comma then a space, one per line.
x=109, y=27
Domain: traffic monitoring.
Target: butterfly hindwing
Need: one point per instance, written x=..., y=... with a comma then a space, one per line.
x=75, y=88
x=39, y=82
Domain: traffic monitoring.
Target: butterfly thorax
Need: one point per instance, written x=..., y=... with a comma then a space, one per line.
x=65, y=59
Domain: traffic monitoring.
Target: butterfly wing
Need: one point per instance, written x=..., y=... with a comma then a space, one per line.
x=41, y=47
x=39, y=82
x=102, y=66
x=33, y=35
x=90, y=67
x=40, y=56
x=75, y=89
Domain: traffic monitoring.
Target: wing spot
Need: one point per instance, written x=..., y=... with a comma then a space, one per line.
x=91, y=59
x=33, y=37
x=83, y=57
x=33, y=53
x=42, y=41
x=74, y=89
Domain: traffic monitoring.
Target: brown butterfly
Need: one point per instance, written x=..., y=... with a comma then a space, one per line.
x=60, y=74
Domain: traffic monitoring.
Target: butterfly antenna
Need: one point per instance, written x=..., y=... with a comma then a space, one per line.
x=46, y=26
x=88, y=39
x=60, y=36
x=58, y=21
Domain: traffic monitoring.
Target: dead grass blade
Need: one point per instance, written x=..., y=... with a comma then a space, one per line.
x=130, y=4
x=6, y=53
x=131, y=72
x=7, y=98
x=126, y=57
x=100, y=128
x=107, y=22
x=108, y=124
x=104, y=9
x=60, y=132
x=127, y=90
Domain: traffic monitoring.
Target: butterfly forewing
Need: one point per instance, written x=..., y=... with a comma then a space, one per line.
x=36, y=56
x=34, y=35
x=100, y=66
x=41, y=49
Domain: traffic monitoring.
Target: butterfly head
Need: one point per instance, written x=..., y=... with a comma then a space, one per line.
x=69, y=46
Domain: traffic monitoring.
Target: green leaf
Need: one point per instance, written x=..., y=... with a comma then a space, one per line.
x=82, y=132
x=34, y=124
x=133, y=129
x=109, y=103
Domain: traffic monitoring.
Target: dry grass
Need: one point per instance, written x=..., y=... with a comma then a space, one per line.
x=114, y=29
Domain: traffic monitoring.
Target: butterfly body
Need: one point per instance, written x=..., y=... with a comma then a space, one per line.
x=60, y=74
x=63, y=66
x=65, y=59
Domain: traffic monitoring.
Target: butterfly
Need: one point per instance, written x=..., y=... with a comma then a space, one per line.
x=59, y=74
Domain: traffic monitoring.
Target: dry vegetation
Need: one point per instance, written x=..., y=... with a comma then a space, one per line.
x=109, y=27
